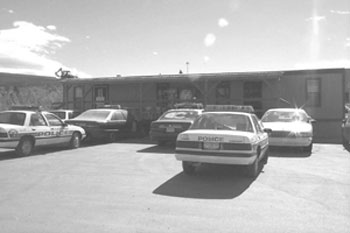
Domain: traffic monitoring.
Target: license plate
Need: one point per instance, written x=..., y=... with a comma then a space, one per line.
x=170, y=130
x=211, y=146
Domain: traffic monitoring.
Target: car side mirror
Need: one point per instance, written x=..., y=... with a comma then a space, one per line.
x=267, y=130
x=311, y=120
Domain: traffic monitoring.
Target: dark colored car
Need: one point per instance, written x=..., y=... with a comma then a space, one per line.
x=346, y=133
x=171, y=123
x=106, y=123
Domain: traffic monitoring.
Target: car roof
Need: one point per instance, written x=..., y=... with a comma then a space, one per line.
x=233, y=113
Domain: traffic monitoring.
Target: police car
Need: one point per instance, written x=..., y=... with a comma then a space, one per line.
x=290, y=127
x=224, y=134
x=25, y=129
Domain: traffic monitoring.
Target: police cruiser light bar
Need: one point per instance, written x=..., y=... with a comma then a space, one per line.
x=229, y=108
x=113, y=106
x=189, y=105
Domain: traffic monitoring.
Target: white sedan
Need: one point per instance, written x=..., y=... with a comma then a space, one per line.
x=290, y=127
x=223, y=137
x=23, y=130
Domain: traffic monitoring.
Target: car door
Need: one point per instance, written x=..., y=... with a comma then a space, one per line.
x=58, y=130
x=38, y=127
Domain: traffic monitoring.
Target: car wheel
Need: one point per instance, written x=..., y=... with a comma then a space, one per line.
x=188, y=168
x=266, y=156
x=112, y=137
x=253, y=169
x=308, y=149
x=75, y=141
x=25, y=147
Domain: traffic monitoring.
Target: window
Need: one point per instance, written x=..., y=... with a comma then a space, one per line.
x=36, y=119
x=53, y=120
x=78, y=92
x=313, y=92
x=117, y=116
x=257, y=125
x=223, y=93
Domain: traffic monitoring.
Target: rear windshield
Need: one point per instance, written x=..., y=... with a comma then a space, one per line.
x=179, y=115
x=93, y=115
x=14, y=118
x=221, y=121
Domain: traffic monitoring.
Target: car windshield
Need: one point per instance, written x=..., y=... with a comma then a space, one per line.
x=179, y=115
x=222, y=121
x=93, y=115
x=284, y=116
x=61, y=115
x=14, y=118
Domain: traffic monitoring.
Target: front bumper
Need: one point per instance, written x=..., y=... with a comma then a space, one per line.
x=290, y=142
x=8, y=144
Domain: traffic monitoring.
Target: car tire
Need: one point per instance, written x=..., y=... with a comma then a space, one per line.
x=266, y=156
x=112, y=137
x=75, y=141
x=253, y=169
x=308, y=149
x=188, y=168
x=25, y=147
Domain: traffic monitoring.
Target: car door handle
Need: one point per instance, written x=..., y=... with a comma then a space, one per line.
x=33, y=129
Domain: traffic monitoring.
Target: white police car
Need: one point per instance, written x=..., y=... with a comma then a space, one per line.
x=23, y=130
x=290, y=127
x=224, y=134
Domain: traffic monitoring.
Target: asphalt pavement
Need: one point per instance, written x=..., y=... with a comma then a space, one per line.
x=137, y=186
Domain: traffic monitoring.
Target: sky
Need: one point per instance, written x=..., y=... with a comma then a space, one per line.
x=105, y=38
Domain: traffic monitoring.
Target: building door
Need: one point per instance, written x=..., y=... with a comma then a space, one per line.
x=100, y=96
x=252, y=95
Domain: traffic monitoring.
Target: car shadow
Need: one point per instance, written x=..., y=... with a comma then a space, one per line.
x=159, y=149
x=288, y=152
x=209, y=182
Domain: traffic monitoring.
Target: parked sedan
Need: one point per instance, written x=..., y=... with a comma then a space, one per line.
x=223, y=137
x=171, y=123
x=346, y=133
x=105, y=123
x=23, y=130
x=291, y=127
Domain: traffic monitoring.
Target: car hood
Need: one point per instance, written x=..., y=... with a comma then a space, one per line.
x=288, y=126
x=172, y=121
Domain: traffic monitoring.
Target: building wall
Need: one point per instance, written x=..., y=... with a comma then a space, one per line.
x=329, y=113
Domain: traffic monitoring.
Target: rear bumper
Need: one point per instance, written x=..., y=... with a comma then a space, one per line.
x=217, y=158
x=156, y=136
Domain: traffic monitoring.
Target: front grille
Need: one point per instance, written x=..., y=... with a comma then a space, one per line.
x=3, y=135
x=281, y=134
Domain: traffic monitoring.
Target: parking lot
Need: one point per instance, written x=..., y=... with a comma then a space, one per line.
x=136, y=186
